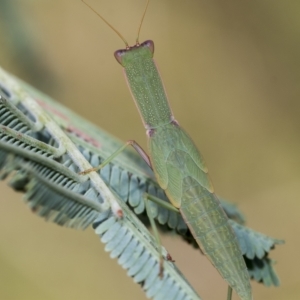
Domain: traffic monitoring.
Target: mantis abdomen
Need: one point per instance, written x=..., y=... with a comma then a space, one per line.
x=183, y=175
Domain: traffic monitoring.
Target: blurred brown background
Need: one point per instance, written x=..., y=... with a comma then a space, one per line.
x=231, y=69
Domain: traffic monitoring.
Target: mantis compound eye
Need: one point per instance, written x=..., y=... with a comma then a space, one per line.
x=149, y=44
x=119, y=54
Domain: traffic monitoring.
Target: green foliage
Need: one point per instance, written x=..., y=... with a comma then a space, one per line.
x=255, y=248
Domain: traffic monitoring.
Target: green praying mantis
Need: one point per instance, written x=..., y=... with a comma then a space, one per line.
x=179, y=167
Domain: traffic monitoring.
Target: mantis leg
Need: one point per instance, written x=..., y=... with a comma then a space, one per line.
x=156, y=235
x=148, y=197
x=162, y=203
x=229, y=293
x=132, y=143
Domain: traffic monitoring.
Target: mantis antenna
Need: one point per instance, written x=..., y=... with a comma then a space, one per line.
x=139, y=30
x=114, y=29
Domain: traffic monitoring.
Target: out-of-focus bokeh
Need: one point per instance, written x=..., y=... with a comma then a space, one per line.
x=231, y=69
